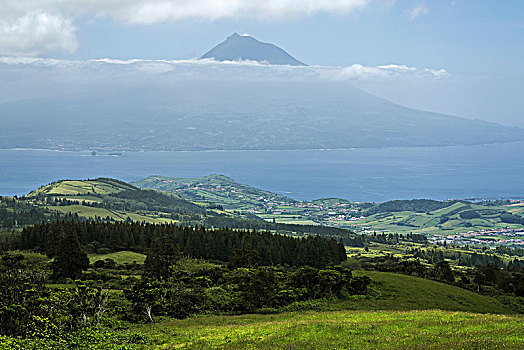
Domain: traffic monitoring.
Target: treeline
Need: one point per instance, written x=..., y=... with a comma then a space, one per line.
x=384, y=238
x=227, y=221
x=416, y=205
x=216, y=289
x=250, y=248
x=510, y=251
x=15, y=212
x=490, y=279
x=512, y=219
x=349, y=238
x=462, y=258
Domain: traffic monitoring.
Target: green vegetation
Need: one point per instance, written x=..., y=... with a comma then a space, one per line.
x=401, y=292
x=99, y=318
x=96, y=187
x=444, y=218
x=156, y=257
x=218, y=189
x=436, y=219
x=121, y=257
x=109, y=200
x=38, y=306
x=247, y=248
x=342, y=330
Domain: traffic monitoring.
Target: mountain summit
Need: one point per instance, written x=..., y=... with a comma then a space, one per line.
x=244, y=47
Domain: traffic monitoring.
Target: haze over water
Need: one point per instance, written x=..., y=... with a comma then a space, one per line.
x=488, y=171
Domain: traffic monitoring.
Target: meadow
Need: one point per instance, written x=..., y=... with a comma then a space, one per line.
x=429, y=329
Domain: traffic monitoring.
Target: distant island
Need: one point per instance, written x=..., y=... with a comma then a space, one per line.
x=166, y=113
x=244, y=47
x=234, y=115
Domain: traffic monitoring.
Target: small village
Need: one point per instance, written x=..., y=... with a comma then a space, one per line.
x=507, y=237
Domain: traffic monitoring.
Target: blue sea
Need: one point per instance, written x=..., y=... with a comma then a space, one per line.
x=486, y=171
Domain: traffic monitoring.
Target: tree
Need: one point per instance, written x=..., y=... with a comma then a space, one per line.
x=442, y=271
x=70, y=258
x=244, y=256
x=147, y=296
x=161, y=257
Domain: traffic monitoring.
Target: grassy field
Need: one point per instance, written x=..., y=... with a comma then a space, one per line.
x=85, y=187
x=433, y=329
x=401, y=292
x=90, y=212
x=402, y=312
x=122, y=257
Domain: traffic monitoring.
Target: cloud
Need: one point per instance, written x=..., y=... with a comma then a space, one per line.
x=153, y=11
x=36, y=33
x=33, y=27
x=417, y=11
x=211, y=69
x=31, y=77
x=388, y=72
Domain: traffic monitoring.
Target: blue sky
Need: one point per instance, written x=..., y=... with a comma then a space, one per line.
x=479, y=43
x=465, y=36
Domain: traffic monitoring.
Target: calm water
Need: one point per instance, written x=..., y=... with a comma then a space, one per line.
x=357, y=174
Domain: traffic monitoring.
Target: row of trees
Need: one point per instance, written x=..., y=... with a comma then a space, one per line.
x=217, y=289
x=244, y=248
x=490, y=278
x=463, y=258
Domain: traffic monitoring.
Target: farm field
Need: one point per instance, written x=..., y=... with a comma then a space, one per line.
x=499, y=222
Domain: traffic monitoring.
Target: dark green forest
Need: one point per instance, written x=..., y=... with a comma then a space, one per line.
x=257, y=248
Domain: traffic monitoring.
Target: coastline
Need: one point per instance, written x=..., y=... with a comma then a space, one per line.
x=103, y=151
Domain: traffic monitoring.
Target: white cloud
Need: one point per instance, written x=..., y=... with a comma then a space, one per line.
x=211, y=69
x=388, y=72
x=36, y=33
x=32, y=27
x=32, y=77
x=417, y=11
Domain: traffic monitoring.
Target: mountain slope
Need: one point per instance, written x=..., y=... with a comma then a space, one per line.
x=233, y=115
x=243, y=47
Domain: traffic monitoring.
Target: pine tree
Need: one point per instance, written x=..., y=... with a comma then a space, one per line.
x=162, y=255
x=70, y=258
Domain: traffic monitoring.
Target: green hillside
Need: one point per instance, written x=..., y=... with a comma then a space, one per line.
x=402, y=292
x=101, y=187
x=218, y=189
x=448, y=318
x=430, y=217
x=110, y=200
x=100, y=199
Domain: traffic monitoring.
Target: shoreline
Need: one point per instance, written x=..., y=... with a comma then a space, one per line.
x=259, y=150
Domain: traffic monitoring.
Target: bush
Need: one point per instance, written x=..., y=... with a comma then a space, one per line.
x=469, y=215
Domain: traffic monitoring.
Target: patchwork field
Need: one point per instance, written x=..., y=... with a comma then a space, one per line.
x=433, y=218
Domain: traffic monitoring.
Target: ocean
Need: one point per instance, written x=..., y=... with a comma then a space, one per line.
x=366, y=174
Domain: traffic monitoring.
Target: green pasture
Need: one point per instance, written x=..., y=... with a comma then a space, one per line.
x=122, y=257
x=430, y=329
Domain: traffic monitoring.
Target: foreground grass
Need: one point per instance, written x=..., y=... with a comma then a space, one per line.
x=431, y=329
